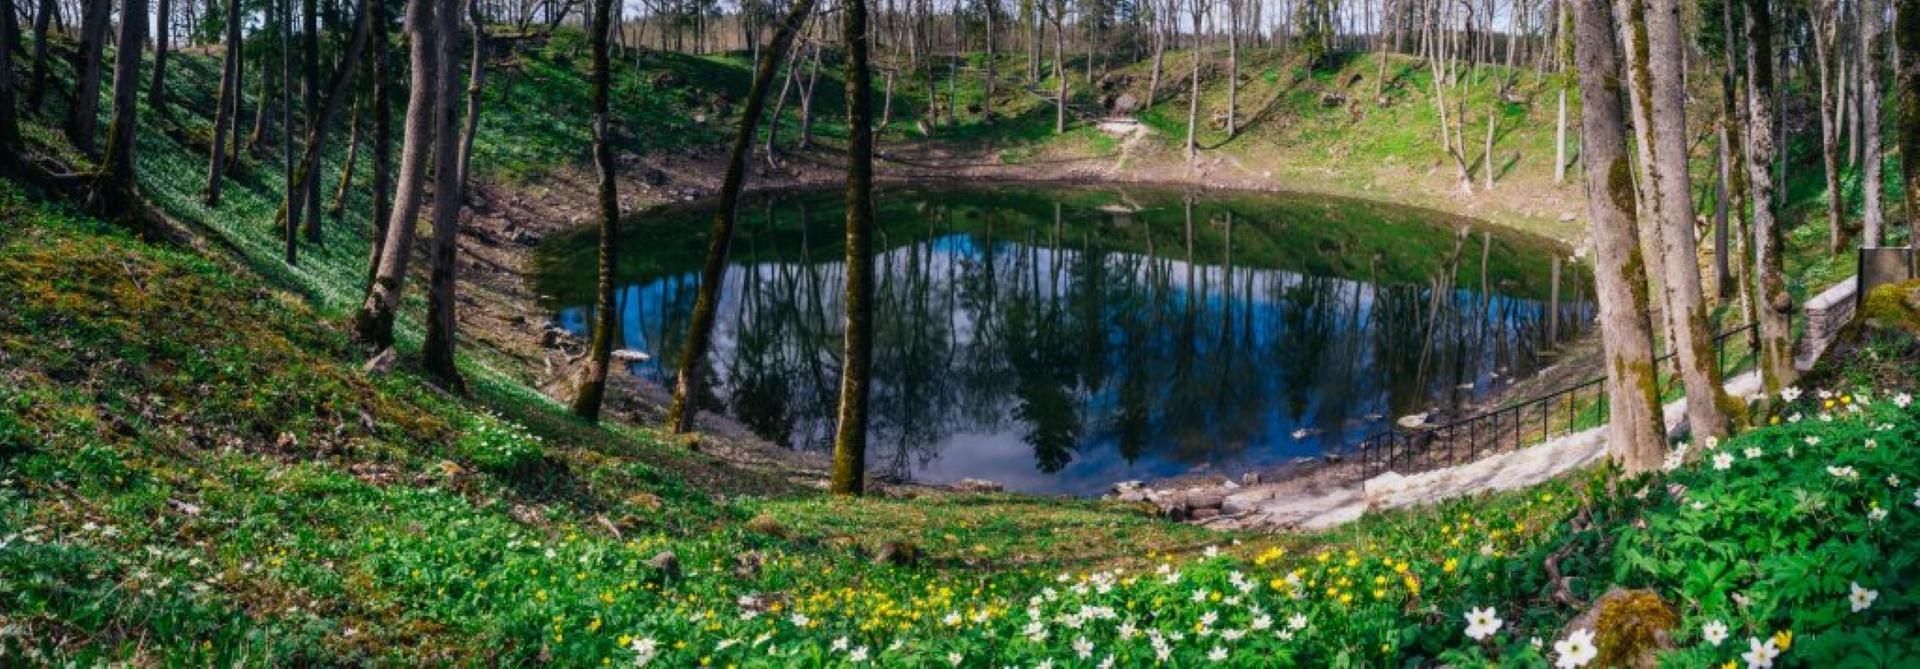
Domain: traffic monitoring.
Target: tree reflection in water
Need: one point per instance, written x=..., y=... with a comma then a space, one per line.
x=1058, y=340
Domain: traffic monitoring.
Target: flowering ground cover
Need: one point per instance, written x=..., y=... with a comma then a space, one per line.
x=193, y=470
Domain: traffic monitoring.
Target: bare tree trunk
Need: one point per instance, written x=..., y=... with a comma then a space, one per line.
x=1233, y=65
x=1708, y=405
x=228, y=104
x=1560, y=141
x=9, y=121
x=476, y=78
x=437, y=352
x=1873, y=221
x=713, y=273
x=1060, y=65
x=157, y=92
x=1907, y=65
x=986, y=104
x=307, y=175
x=1486, y=153
x=37, y=88
x=114, y=189
x=850, y=435
x=380, y=67
x=1776, y=358
x=373, y=324
x=593, y=379
x=259, y=132
x=806, y=99
x=346, y=170
x=1636, y=435
x=1824, y=36
x=1193, y=98
x=83, y=117
x=1159, y=57
x=310, y=86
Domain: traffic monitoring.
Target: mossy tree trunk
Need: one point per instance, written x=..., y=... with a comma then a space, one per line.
x=1662, y=132
x=228, y=104
x=1873, y=220
x=1825, y=33
x=1635, y=434
x=1907, y=40
x=720, y=237
x=373, y=323
x=592, y=390
x=1770, y=284
x=114, y=188
x=850, y=437
x=437, y=352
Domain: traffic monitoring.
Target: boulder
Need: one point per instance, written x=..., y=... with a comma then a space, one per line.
x=1124, y=103
x=666, y=564
x=977, y=486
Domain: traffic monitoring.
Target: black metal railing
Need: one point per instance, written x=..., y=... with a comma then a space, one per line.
x=1565, y=411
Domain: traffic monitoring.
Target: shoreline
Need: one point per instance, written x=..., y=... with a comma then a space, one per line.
x=510, y=219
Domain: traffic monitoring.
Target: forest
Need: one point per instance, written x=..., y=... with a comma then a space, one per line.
x=1052, y=333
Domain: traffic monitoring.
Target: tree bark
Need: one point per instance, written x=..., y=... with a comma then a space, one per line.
x=346, y=169
x=157, y=91
x=1233, y=65
x=1770, y=284
x=986, y=104
x=9, y=122
x=713, y=273
x=437, y=352
x=228, y=104
x=1560, y=141
x=476, y=78
x=114, y=189
x=1636, y=435
x=1193, y=98
x=315, y=126
x=306, y=176
x=1825, y=29
x=83, y=117
x=850, y=437
x=373, y=324
x=1658, y=76
x=593, y=381
x=1907, y=37
x=380, y=66
x=1060, y=65
x=1873, y=219
x=37, y=88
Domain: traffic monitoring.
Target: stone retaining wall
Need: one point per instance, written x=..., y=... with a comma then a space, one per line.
x=1826, y=314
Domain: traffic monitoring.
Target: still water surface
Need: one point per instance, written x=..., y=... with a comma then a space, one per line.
x=1057, y=340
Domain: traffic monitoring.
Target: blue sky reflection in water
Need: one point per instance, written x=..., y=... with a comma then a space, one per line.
x=1058, y=340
